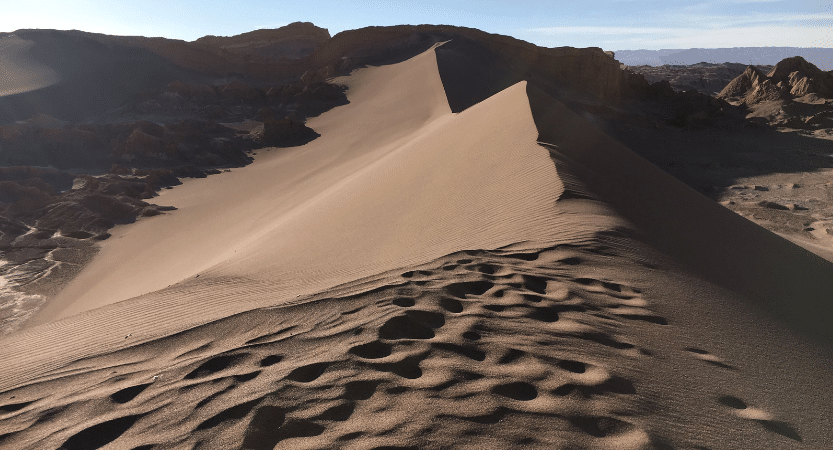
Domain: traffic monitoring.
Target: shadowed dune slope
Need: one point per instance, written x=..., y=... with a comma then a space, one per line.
x=774, y=274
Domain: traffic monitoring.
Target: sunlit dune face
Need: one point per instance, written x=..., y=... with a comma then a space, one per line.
x=19, y=71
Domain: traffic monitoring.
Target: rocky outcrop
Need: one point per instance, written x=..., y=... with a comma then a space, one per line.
x=706, y=78
x=232, y=102
x=95, y=147
x=794, y=94
x=89, y=208
x=802, y=78
x=269, y=54
x=658, y=104
x=752, y=87
x=791, y=78
x=492, y=62
x=286, y=132
x=292, y=41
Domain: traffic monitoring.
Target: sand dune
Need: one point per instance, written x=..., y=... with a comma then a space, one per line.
x=503, y=277
x=19, y=72
x=73, y=77
x=427, y=183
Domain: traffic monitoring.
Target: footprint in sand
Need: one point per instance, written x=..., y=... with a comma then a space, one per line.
x=765, y=419
x=708, y=357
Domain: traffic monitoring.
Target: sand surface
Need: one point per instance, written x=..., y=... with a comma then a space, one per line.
x=19, y=71
x=505, y=277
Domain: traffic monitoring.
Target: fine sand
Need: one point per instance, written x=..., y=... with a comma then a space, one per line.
x=19, y=71
x=505, y=277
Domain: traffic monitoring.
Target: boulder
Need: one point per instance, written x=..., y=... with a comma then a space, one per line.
x=286, y=132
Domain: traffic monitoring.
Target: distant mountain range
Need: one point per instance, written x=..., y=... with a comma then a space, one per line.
x=821, y=57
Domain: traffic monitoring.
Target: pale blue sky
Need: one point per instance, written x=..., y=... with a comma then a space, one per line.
x=610, y=24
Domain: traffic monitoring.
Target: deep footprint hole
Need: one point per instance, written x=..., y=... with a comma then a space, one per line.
x=404, y=327
x=308, y=373
x=127, y=394
x=547, y=315
x=511, y=356
x=535, y=284
x=98, y=436
x=451, y=305
x=270, y=360
x=360, y=390
x=428, y=318
x=471, y=335
x=403, y=302
x=371, y=350
x=216, y=364
x=517, y=390
x=732, y=402
x=572, y=366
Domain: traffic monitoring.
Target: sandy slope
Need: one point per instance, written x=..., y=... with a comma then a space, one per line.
x=395, y=174
x=19, y=71
x=461, y=286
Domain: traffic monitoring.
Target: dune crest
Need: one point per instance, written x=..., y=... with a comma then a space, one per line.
x=403, y=184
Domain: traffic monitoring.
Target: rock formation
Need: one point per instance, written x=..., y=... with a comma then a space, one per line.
x=791, y=78
x=794, y=94
x=286, y=132
x=703, y=77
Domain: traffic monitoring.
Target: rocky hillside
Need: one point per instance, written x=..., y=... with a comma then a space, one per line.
x=706, y=78
x=794, y=94
x=791, y=78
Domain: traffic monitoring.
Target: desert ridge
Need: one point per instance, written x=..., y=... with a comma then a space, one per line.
x=506, y=277
x=330, y=197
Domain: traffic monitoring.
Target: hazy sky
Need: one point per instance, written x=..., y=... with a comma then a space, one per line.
x=610, y=24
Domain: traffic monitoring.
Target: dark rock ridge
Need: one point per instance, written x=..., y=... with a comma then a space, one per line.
x=231, y=102
x=703, y=77
x=93, y=76
x=95, y=147
x=268, y=54
x=821, y=57
x=292, y=41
